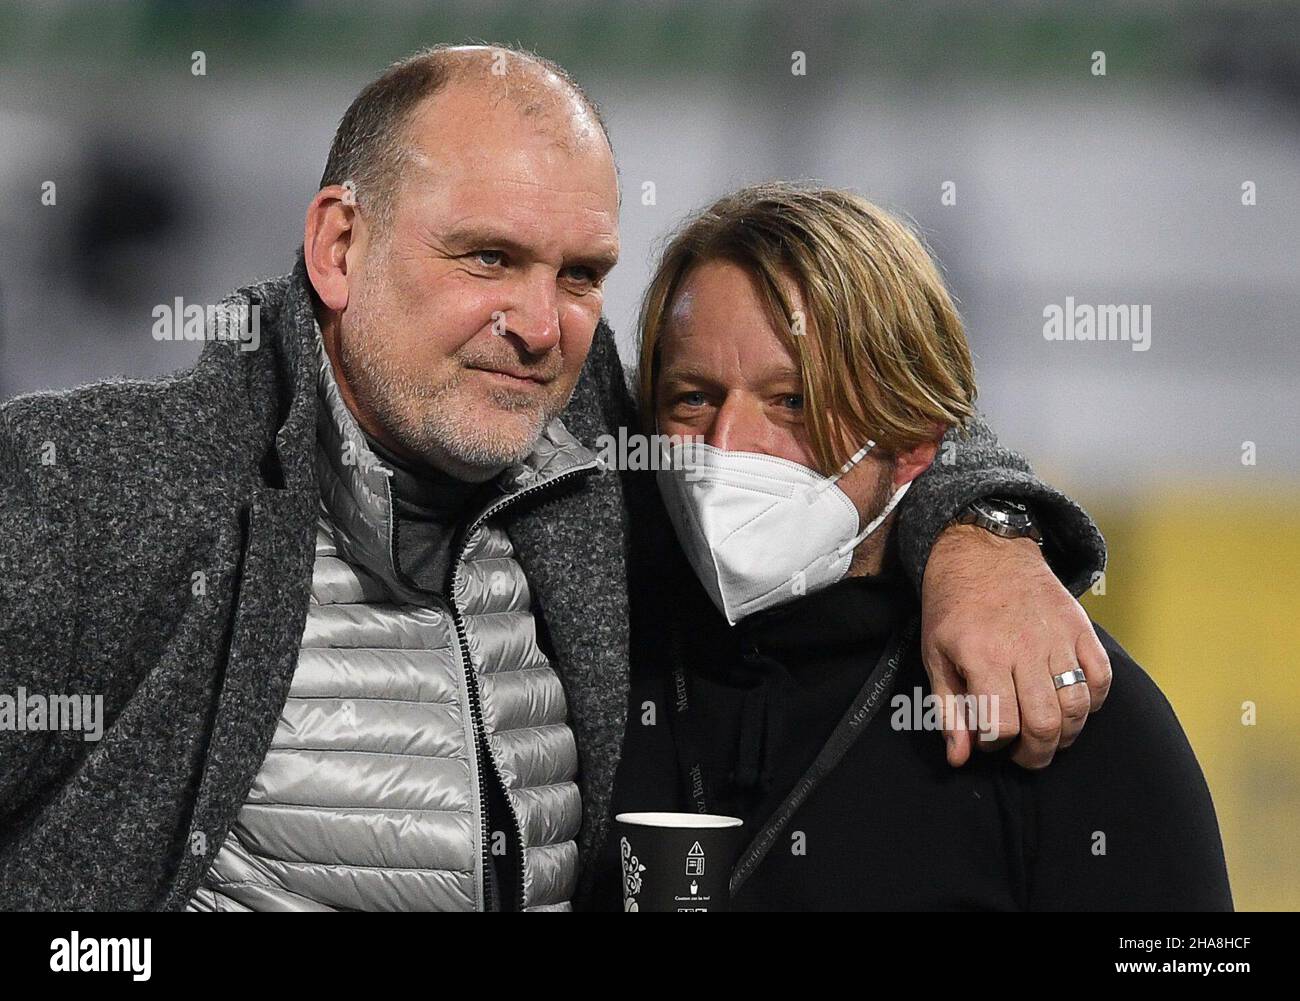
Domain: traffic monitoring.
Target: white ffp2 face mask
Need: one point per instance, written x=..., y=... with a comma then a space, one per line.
x=759, y=530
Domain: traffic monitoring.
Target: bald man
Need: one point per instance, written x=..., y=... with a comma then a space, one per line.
x=353, y=592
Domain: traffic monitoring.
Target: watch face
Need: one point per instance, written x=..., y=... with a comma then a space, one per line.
x=1009, y=519
x=1007, y=513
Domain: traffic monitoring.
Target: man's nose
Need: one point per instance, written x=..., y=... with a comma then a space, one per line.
x=737, y=426
x=535, y=317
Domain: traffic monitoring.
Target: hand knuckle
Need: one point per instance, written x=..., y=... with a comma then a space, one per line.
x=1042, y=730
x=966, y=652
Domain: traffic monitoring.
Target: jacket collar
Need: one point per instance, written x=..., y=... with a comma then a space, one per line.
x=292, y=321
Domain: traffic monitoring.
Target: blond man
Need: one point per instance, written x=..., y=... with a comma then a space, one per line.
x=803, y=356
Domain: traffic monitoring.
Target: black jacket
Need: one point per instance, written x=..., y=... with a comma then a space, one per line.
x=1122, y=820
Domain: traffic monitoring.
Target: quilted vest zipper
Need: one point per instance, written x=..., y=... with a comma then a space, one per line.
x=480, y=742
x=471, y=679
x=478, y=727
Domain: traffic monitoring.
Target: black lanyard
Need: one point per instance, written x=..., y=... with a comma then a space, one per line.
x=689, y=736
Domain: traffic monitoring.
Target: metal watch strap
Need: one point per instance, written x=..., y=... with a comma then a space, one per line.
x=1005, y=518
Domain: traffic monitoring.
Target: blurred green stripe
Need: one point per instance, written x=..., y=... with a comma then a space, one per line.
x=666, y=38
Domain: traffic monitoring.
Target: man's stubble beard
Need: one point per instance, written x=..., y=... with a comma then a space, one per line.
x=428, y=421
x=873, y=547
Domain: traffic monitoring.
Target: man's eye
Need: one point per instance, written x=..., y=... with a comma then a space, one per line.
x=692, y=399
x=489, y=258
x=792, y=401
x=580, y=274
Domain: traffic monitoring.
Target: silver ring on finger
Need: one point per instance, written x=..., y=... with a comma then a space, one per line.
x=1068, y=678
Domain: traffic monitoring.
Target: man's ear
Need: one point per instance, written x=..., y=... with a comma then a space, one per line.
x=331, y=238
x=912, y=462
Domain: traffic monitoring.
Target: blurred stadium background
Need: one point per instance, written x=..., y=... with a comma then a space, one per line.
x=1122, y=188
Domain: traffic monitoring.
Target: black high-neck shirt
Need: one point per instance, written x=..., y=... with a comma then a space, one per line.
x=774, y=687
x=429, y=508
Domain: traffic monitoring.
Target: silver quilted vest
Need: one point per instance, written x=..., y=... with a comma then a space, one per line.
x=372, y=794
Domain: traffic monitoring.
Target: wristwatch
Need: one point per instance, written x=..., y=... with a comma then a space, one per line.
x=1007, y=518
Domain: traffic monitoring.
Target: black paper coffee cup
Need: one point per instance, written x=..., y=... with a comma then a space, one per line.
x=677, y=861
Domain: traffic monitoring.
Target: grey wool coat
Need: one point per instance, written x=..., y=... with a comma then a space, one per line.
x=156, y=548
